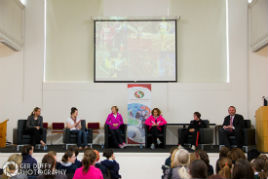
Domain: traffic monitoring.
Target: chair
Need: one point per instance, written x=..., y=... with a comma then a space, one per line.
x=161, y=136
x=71, y=139
x=57, y=128
x=23, y=138
x=248, y=135
x=45, y=125
x=95, y=126
x=206, y=134
x=107, y=143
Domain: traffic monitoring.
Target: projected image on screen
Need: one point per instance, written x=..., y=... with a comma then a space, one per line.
x=135, y=50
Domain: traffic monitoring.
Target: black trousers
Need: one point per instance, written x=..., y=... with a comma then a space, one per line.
x=116, y=137
x=155, y=133
x=184, y=137
x=37, y=135
x=224, y=137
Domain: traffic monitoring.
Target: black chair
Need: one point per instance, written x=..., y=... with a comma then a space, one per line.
x=206, y=134
x=22, y=138
x=71, y=138
x=107, y=143
x=161, y=136
x=248, y=135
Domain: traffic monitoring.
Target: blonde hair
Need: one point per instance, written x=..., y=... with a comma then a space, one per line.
x=17, y=158
x=172, y=158
x=225, y=165
x=182, y=160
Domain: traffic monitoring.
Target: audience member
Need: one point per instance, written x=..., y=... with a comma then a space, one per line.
x=68, y=163
x=111, y=164
x=242, y=170
x=198, y=169
x=204, y=156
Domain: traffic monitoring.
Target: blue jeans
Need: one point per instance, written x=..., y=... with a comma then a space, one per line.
x=81, y=137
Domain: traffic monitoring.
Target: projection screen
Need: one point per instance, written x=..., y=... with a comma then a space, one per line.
x=135, y=51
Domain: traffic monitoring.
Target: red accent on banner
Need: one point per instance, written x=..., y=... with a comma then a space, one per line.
x=148, y=86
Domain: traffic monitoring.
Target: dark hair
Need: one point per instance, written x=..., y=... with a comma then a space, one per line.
x=260, y=165
x=198, y=169
x=158, y=111
x=108, y=153
x=235, y=154
x=75, y=150
x=204, y=156
x=26, y=149
x=116, y=108
x=242, y=170
x=89, y=159
x=73, y=109
x=53, y=153
x=223, y=152
x=197, y=114
x=35, y=110
x=232, y=107
x=48, y=164
x=67, y=154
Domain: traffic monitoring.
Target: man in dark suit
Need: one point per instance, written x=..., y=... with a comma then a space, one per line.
x=233, y=125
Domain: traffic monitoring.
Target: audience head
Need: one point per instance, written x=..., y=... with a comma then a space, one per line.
x=173, y=149
x=204, y=156
x=198, y=169
x=260, y=166
x=172, y=158
x=235, y=154
x=108, y=153
x=48, y=165
x=53, y=153
x=197, y=116
x=88, y=160
x=223, y=152
x=36, y=111
x=74, y=112
x=194, y=156
x=75, y=149
x=114, y=109
x=242, y=170
x=17, y=158
x=253, y=154
x=27, y=150
x=182, y=160
x=225, y=167
x=156, y=112
x=231, y=110
x=68, y=157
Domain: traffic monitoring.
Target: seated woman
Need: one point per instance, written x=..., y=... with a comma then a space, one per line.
x=34, y=127
x=88, y=170
x=114, y=121
x=155, y=121
x=48, y=168
x=74, y=124
x=193, y=129
x=68, y=163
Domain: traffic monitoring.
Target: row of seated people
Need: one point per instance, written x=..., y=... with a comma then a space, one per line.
x=232, y=126
x=181, y=164
x=231, y=164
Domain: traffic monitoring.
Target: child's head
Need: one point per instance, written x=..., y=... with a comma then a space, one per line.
x=108, y=153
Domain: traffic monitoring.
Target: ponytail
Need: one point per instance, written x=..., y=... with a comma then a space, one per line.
x=68, y=154
x=225, y=165
x=183, y=173
x=89, y=159
x=34, y=110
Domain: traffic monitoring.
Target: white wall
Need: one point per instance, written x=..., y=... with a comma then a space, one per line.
x=21, y=75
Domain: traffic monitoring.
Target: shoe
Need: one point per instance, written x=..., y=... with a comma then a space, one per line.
x=193, y=147
x=158, y=141
x=124, y=144
x=152, y=146
x=120, y=146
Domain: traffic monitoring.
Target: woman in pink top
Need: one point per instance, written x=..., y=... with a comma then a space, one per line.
x=88, y=170
x=114, y=121
x=154, y=122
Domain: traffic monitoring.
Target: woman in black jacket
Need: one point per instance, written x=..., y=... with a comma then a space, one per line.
x=193, y=129
x=34, y=127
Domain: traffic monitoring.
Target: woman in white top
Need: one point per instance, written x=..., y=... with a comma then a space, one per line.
x=74, y=124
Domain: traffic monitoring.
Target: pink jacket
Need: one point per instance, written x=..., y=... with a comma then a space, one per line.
x=93, y=173
x=112, y=120
x=151, y=120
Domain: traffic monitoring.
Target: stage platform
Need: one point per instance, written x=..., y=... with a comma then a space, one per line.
x=129, y=149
